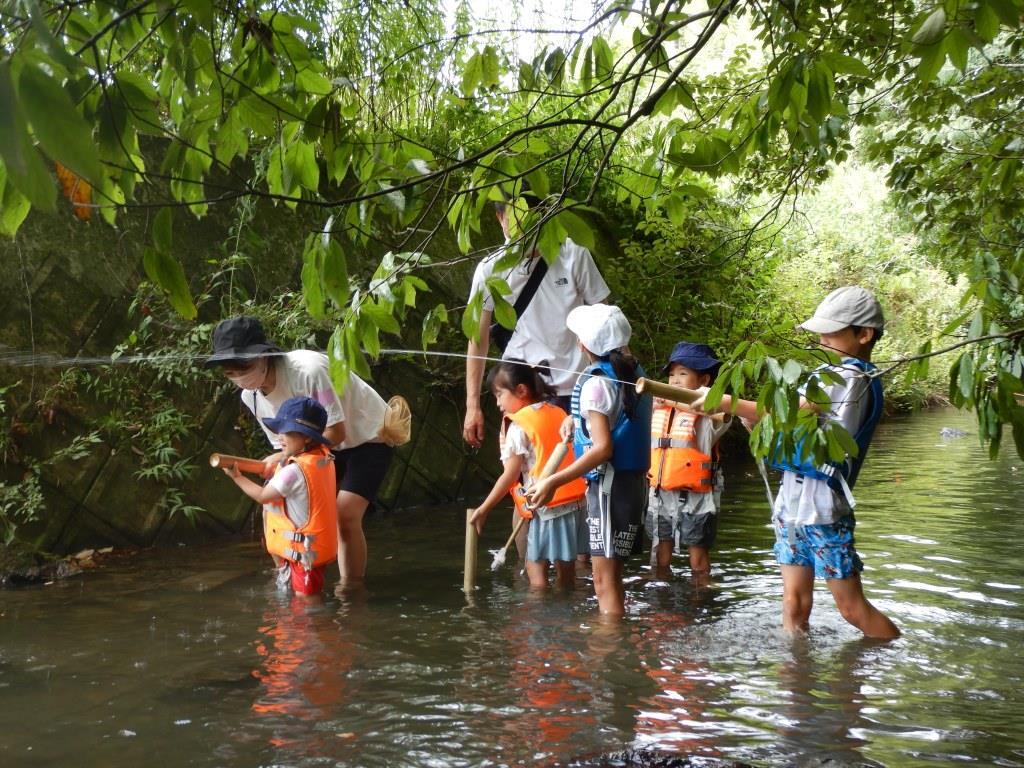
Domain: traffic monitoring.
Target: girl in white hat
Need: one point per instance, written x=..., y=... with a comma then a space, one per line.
x=611, y=438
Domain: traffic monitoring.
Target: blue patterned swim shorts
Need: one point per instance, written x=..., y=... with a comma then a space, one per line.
x=829, y=549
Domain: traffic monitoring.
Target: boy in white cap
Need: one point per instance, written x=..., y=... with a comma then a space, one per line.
x=612, y=433
x=813, y=514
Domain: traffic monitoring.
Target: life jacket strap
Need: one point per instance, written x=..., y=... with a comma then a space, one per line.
x=305, y=559
x=670, y=442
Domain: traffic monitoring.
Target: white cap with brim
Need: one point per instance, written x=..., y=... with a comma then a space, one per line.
x=601, y=328
x=851, y=305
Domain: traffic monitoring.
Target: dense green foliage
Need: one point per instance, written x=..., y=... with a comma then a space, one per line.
x=692, y=128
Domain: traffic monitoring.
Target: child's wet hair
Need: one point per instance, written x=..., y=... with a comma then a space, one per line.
x=509, y=374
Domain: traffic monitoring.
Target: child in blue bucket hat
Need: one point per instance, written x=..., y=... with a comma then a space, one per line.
x=299, y=512
x=685, y=476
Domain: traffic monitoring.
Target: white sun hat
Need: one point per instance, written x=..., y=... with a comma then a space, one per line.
x=601, y=328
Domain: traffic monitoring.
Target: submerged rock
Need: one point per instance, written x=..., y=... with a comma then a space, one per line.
x=952, y=432
x=20, y=565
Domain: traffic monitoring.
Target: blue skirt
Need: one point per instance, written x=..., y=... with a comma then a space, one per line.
x=555, y=539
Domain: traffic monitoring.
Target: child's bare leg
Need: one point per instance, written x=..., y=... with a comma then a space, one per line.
x=855, y=608
x=565, y=573
x=797, y=597
x=537, y=573
x=521, y=536
x=611, y=594
x=662, y=559
x=700, y=560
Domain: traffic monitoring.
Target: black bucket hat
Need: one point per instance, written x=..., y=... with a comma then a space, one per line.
x=239, y=340
x=300, y=414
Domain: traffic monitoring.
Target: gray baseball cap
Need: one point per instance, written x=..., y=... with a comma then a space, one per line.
x=851, y=305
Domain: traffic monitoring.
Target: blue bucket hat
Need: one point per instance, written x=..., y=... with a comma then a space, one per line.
x=300, y=414
x=696, y=357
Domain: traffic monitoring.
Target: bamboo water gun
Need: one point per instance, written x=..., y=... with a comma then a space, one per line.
x=242, y=464
x=674, y=394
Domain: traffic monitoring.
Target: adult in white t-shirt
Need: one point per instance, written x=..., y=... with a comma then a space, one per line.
x=540, y=334
x=267, y=377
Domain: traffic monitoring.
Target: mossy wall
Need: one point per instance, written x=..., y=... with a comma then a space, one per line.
x=70, y=287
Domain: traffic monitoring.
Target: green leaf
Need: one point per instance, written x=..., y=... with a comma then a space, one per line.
x=25, y=168
x=552, y=235
x=202, y=12
x=14, y=207
x=958, y=45
x=61, y=131
x=369, y=333
x=932, y=28
x=162, y=230
x=932, y=59
x=489, y=67
x=471, y=317
x=335, y=273
x=312, y=286
x=791, y=372
x=231, y=140
x=841, y=63
x=141, y=98
x=986, y=22
x=382, y=315
x=50, y=43
x=845, y=440
x=472, y=73
x=432, y=323
x=1007, y=10
x=164, y=270
x=966, y=377
x=313, y=82
x=577, y=229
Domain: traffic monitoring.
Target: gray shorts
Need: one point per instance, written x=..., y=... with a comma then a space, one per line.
x=698, y=530
x=669, y=518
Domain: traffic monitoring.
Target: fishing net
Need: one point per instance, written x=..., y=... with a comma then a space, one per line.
x=397, y=427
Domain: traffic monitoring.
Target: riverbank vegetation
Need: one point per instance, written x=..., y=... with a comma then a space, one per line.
x=728, y=162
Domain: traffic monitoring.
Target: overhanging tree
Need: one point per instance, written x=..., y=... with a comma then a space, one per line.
x=369, y=113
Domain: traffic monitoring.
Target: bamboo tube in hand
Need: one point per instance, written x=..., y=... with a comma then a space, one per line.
x=676, y=395
x=226, y=461
x=667, y=391
x=469, y=565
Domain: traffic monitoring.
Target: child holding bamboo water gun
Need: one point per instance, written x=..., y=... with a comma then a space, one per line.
x=529, y=435
x=611, y=436
x=813, y=511
x=299, y=512
x=685, y=477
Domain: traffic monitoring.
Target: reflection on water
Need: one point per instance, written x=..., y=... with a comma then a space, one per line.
x=192, y=655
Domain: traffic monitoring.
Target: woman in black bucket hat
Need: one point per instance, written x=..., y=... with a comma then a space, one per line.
x=267, y=377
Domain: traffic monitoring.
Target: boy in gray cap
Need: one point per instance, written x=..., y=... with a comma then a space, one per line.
x=813, y=514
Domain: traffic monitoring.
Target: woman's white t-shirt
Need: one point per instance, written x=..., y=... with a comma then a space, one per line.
x=303, y=372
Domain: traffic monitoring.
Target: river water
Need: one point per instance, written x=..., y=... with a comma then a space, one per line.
x=189, y=656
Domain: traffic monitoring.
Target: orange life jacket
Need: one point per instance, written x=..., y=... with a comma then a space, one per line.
x=541, y=426
x=316, y=542
x=676, y=464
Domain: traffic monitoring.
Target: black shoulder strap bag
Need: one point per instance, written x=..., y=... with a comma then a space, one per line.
x=501, y=335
